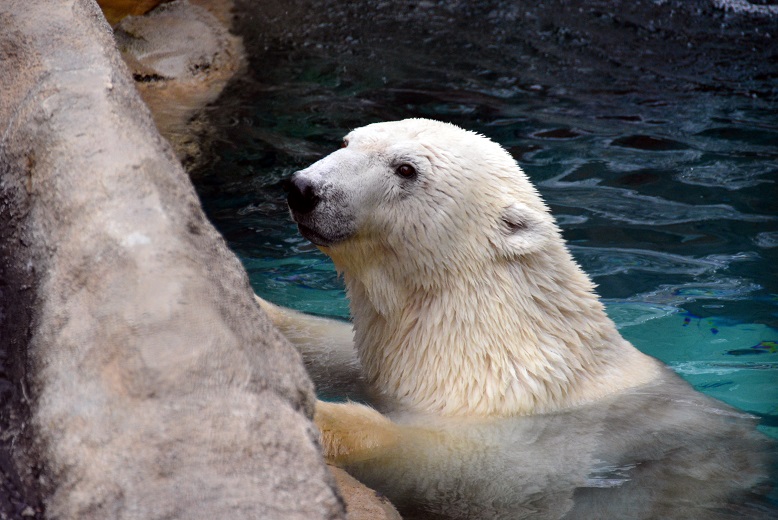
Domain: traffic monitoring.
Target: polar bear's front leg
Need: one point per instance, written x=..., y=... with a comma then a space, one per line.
x=353, y=432
x=327, y=347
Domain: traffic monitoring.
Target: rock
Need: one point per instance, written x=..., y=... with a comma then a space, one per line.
x=181, y=56
x=362, y=503
x=115, y=10
x=140, y=379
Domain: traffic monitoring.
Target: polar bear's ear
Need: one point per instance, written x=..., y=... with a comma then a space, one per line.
x=524, y=229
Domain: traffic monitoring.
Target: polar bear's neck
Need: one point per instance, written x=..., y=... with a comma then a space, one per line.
x=510, y=339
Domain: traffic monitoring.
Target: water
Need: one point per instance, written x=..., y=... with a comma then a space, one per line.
x=653, y=137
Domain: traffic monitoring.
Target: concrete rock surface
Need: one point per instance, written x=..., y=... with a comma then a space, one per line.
x=139, y=378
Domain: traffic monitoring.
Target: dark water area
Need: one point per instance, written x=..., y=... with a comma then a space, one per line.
x=650, y=127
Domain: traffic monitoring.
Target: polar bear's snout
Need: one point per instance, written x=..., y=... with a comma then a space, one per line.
x=318, y=203
x=304, y=200
x=301, y=194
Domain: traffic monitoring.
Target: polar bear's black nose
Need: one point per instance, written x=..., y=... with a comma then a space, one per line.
x=301, y=196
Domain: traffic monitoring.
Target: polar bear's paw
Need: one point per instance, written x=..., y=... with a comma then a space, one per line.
x=351, y=432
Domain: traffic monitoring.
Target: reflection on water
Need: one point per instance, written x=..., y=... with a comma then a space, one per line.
x=651, y=132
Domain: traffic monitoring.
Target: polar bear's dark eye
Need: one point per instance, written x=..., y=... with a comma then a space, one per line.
x=406, y=170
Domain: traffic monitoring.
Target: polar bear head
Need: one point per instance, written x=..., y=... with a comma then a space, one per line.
x=423, y=197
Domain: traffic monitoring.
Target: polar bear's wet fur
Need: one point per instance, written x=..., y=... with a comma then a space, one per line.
x=464, y=297
x=493, y=373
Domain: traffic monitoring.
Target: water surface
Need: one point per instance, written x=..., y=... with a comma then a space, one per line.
x=651, y=132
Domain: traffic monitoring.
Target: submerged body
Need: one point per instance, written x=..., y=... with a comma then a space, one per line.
x=506, y=390
x=643, y=454
x=658, y=450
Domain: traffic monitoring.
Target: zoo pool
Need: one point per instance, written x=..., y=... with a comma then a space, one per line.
x=660, y=170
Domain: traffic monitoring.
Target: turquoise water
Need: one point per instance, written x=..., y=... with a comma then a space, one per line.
x=666, y=192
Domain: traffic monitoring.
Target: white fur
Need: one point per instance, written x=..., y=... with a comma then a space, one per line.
x=464, y=297
x=471, y=322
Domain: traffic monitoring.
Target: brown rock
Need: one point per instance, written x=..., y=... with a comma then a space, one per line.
x=115, y=10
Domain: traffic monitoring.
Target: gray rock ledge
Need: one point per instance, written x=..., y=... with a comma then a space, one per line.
x=138, y=378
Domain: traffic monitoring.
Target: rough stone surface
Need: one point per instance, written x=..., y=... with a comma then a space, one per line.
x=140, y=379
x=362, y=503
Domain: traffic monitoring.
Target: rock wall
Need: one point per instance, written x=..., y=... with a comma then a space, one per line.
x=139, y=378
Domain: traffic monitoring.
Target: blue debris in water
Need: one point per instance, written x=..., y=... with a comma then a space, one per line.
x=688, y=317
x=767, y=346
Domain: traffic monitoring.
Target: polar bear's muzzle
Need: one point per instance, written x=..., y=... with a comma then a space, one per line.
x=318, y=210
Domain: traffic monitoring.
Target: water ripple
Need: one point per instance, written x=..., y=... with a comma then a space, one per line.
x=689, y=368
x=767, y=239
x=628, y=206
x=602, y=261
x=726, y=175
x=719, y=288
x=636, y=313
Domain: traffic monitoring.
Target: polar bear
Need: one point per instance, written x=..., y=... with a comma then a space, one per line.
x=498, y=387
